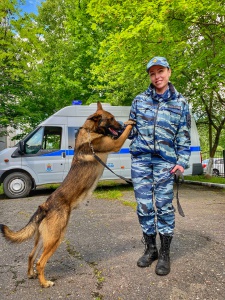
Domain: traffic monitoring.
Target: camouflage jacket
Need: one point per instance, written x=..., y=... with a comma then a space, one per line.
x=162, y=126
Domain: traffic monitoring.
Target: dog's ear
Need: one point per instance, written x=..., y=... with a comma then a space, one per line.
x=99, y=106
x=95, y=117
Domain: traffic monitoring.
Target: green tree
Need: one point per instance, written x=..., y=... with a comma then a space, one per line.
x=190, y=34
x=205, y=70
x=67, y=49
x=19, y=42
x=11, y=65
x=47, y=58
x=89, y=49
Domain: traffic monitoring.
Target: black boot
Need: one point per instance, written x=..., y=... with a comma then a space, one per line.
x=151, y=252
x=163, y=264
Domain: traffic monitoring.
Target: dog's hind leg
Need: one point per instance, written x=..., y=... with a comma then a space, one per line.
x=49, y=249
x=31, y=273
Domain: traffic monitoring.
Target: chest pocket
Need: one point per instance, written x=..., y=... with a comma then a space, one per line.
x=173, y=114
x=146, y=115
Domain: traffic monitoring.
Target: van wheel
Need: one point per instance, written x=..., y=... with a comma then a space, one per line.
x=17, y=185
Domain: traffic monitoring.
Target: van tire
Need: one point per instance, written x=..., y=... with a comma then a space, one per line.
x=17, y=185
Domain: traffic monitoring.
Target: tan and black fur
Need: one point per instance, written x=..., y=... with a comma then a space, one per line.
x=49, y=222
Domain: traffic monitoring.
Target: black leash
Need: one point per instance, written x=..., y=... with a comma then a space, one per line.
x=178, y=179
x=102, y=162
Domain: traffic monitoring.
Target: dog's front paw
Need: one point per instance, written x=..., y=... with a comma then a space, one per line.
x=130, y=122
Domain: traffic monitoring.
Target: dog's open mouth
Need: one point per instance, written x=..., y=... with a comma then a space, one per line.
x=113, y=132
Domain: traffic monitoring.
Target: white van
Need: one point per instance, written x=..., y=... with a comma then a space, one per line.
x=45, y=155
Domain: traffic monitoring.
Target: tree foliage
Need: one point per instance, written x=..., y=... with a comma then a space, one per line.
x=52, y=52
x=12, y=66
x=67, y=48
x=99, y=49
x=190, y=34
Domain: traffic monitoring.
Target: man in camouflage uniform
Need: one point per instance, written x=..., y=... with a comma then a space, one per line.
x=159, y=147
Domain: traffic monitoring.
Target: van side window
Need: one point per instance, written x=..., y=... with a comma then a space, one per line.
x=52, y=138
x=72, y=132
x=46, y=138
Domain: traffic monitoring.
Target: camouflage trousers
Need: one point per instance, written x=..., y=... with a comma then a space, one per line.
x=153, y=188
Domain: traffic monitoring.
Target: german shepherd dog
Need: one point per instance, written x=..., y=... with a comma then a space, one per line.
x=48, y=224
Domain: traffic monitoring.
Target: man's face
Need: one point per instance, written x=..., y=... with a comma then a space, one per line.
x=159, y=77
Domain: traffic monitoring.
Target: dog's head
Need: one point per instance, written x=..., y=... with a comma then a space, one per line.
x=104, y=122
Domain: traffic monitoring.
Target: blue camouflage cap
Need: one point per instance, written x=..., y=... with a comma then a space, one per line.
x=157, y=61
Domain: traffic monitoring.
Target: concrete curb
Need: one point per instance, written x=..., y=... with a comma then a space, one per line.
x=209, y=184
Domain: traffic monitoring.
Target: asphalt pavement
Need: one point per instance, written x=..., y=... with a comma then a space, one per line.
x=97, y=259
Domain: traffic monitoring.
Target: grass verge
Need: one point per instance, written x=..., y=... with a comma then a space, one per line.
x=114, y=191
x=204, y=178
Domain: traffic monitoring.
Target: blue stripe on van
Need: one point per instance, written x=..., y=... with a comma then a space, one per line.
x=71, y=152
x=122, y=151
x=195, y=148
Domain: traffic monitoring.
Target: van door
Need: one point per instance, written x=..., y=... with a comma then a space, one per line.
x=71, y=135
x=44, y=153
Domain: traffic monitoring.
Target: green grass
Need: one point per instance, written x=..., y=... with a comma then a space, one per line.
x=204, y=178
x=114, y=191
x=130, y=204
x=111, y=190
x=111, y=194
x=107, y=183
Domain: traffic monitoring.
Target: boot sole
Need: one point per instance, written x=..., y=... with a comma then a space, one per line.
x=147, y=265
x=162, y=274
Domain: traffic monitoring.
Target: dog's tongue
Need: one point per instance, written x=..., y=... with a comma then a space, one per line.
x=113, y=131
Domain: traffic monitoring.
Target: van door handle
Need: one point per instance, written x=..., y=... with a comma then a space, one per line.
x=63, y=154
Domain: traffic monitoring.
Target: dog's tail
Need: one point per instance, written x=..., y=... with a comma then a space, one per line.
x=28, y=231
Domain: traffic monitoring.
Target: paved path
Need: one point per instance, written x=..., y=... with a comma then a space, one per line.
x=97, y=259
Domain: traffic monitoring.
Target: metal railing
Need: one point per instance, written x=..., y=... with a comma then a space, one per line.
x=218, y=166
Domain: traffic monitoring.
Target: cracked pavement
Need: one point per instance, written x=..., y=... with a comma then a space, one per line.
x=97, y=259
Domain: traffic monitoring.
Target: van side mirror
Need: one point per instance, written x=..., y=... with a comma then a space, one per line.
x=21, y=148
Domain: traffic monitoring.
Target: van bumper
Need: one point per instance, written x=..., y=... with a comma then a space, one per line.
x=197, y=169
